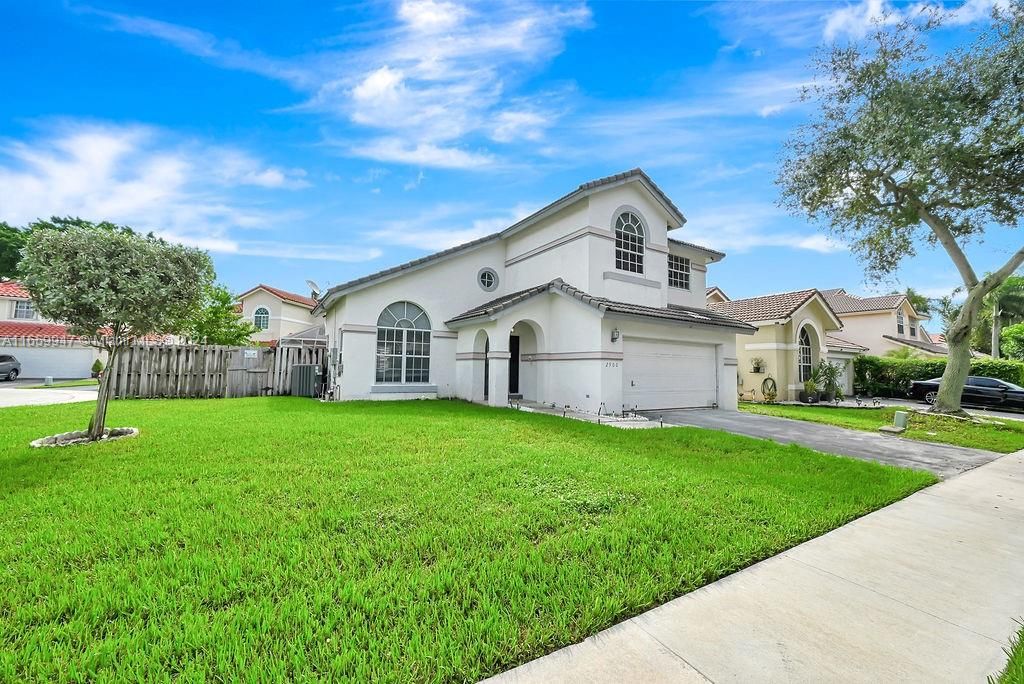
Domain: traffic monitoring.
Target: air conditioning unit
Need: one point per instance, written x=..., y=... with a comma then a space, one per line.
x=307, y=380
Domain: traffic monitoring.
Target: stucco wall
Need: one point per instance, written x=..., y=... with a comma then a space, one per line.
x=285, y=318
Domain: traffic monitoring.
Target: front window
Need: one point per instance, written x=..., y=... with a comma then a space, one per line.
x=804, y=356
x=899, y=323
x=913, y=328
x=629, y=243
x=403, y=344
x=261, y=318
x=678, y=272
x=24, y=309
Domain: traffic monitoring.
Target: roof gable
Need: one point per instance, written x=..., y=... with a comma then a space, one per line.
x=283, y=295
x=584, y=190
x=773, y=307
x=670, y=314
x=843, y=302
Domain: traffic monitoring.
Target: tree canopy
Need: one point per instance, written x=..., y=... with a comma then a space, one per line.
x=218, y=321
x=111, y=285
x=910, y=149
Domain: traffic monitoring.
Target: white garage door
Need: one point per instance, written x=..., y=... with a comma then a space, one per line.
x=58, y=362
x=658, y=374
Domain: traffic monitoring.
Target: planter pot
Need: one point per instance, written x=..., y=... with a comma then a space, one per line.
x=806, y=398
x=827, y=396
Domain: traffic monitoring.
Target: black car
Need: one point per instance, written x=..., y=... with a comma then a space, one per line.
x=978, y=391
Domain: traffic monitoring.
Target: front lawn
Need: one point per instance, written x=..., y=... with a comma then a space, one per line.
x=1013, y=673
x=281, y=538
x=1005, y=437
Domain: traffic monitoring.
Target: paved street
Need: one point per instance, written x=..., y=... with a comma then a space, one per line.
x=15, y=394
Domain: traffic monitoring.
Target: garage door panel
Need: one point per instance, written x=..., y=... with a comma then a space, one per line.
x=58, y=362
x=666, y=374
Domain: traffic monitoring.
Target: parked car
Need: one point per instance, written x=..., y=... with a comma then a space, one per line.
x=978, y=391
x=10, y=367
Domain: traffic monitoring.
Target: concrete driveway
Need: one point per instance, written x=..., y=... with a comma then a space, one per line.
x=925, y=590
x=15, y=394
x=941, y=459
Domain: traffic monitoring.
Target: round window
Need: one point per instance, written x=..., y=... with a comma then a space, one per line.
x=488, y=279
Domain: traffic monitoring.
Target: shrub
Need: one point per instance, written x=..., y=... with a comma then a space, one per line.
x=888, y=377
x=97, y=366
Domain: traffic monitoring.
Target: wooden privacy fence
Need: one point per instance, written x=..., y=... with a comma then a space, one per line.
x=207, y=371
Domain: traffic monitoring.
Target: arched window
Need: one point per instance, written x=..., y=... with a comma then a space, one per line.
x=261, y=318
x=804, y=355
x=629, y=243
x=403, y=344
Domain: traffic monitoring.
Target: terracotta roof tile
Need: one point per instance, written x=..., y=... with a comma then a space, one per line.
x=26, y=329
x=764, y=308
x=833, y=341
x=283, y=294
x=12, y=288
x=843, y=302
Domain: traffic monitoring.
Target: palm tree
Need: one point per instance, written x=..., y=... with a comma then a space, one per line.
x=921, y=304
x=1004, y=305
x=903, y=353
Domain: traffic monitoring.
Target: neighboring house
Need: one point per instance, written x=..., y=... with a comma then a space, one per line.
x=43, y=347
x=882, y=323
x=586, y=303
x=276, y=313
x=795, y=331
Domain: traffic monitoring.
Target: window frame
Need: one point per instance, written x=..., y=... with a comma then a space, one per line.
x=681, y=275
x=800, y=347
x=27, y=303
x=630, y=242
x=900, y=323
x=256, y=315
x=407, y=340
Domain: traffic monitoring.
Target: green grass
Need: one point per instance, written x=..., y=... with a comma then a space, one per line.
x=384, y=541
x=86, y=382
x=1005, y=437
x=1013, y=673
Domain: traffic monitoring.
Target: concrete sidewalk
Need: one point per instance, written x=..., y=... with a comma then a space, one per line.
x=925, y=590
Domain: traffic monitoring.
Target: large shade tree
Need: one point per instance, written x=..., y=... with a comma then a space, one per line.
x=910, y=150
x=112, y=286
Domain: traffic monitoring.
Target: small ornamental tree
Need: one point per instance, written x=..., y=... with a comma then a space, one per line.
x=908, y=150
x=218, y=321
x=111, y=287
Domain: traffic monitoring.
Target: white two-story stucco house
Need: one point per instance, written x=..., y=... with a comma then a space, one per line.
x=586, y=303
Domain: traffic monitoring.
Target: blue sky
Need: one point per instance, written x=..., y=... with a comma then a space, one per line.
x=327, y=141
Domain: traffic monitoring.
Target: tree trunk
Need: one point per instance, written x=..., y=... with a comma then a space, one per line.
x=997, y=329
x=958, y=362
x=97, y=425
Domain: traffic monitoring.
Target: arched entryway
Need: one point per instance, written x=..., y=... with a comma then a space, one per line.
x=481, y=366
x=524, y=373
x=808, y=351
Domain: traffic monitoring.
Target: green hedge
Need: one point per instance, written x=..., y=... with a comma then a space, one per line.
x=884, y=377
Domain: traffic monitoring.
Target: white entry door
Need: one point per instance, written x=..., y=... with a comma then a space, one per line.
x=661, y=374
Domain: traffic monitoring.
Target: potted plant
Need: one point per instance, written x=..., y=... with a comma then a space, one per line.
x=757, y=365
x=827, y=378
x=809, y=394
x=97, y=368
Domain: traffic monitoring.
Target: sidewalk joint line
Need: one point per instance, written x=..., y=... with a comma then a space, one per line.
x=666, y=646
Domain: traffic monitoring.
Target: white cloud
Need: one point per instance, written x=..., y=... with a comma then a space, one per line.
x=447, y=225
x=441, y=74
x=142, y=176
x=743, y=227
x=423, y=154
x=770, y=110
x=859, y=19
x=416, y=182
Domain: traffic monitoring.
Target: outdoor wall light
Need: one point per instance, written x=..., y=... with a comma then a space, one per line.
x=615, y=334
